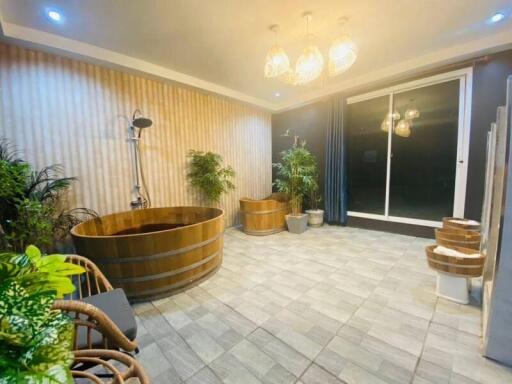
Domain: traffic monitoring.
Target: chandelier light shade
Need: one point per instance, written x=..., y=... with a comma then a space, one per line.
x=403, y=128
x=277, y=62
x=411, y=113
x=386, y=124
x=342, y=55
x=309, y=65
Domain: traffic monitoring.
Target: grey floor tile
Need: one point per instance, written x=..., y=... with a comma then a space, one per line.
x=283, y=354
x=229, y=369
x=184, y=360
x=335, y=303
x=204, y=376
x=253, y=358
x=153, y=360
x=317, y=375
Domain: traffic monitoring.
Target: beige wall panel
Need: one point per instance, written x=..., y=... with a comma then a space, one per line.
x=59, y=110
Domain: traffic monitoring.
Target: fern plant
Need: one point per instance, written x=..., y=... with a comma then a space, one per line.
x=30, y=203
x=209, y=176
x=36, y=341
x=296, y=175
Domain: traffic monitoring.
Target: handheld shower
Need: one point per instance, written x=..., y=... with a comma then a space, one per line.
x=136, y=126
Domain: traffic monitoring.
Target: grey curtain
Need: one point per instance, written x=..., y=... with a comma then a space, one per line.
x=335, y=191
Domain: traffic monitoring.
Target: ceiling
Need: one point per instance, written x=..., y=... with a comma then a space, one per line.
x=220, y=45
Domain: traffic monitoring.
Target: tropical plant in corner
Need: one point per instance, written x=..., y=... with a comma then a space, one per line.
x=31, y=203
x=296, y=175
x=209, y=176
x=36, y=340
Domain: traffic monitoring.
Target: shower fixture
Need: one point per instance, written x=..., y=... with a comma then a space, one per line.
x=137, y=125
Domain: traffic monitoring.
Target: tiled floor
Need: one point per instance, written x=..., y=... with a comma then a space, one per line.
x=333, y=305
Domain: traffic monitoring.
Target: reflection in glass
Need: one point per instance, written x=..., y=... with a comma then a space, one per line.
x=367, y=155
x=424, y=154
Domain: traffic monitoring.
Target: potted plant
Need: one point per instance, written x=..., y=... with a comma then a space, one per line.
x=36, y=340
x=315, y=215
x=209, y=176
x=295, y=177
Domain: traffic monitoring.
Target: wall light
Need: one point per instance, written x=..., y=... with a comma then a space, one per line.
x=498, y=16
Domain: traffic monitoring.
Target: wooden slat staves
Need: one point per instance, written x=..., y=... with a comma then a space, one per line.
x=157, y=263
x=456, y=266
x=264, y=217
x=450, y=238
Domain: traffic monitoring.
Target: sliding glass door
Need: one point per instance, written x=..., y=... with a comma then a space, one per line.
x=407, y=150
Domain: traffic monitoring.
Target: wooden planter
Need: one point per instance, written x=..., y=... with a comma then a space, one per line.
x=154, y=252
x=264, y=217
x=450, y=238
x=455, y=266
x=447, y=223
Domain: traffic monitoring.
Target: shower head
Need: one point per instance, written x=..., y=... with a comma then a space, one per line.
x=142, y=122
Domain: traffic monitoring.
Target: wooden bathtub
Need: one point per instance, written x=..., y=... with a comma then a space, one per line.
x=154, y=252
x=264, y=217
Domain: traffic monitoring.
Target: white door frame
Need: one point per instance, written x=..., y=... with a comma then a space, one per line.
x=465, y=77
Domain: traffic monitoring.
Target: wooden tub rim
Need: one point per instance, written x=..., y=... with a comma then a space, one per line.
x=220, y=214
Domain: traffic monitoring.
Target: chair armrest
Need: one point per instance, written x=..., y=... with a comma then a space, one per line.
x=94, y=318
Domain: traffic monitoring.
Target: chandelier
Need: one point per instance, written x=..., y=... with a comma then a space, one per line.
x=310, y=64
x=403, y=127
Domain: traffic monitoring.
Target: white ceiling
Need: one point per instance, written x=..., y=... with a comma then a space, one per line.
x=220, y=45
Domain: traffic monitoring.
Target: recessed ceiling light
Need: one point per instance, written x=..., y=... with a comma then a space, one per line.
x=498, y=16
x=54, y=15
x=277, y=94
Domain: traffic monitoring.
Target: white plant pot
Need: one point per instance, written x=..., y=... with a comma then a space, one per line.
x=297, y=224
x=315, y=217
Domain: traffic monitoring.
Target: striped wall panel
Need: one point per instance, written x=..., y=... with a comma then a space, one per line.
x=59, y=110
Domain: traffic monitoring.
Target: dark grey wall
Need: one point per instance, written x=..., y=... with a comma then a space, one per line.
x=308, y=122
x=489, y=82
x=489, y=92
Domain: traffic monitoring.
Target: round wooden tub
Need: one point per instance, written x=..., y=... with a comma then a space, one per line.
x=450, y=238
x=264, y=217
x=154, y=252
x=460, y=223
x=456, y=266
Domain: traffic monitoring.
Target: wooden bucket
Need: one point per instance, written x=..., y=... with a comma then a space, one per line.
x=154, y=252
x=448, y=223
x=455, y=266
x=264, y=217
x=450, y=238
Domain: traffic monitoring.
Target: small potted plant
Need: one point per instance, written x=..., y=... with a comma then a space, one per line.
x=315, y=215
x=295, y=177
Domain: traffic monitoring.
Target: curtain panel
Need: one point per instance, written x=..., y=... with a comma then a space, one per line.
x=335, y=164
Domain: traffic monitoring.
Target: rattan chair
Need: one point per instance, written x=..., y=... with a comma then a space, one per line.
x=118, y=367
x=94, y=327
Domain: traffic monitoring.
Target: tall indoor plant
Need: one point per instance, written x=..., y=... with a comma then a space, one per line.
x=295, y=176
x=209, y=176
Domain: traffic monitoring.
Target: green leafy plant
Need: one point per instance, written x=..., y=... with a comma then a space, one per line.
x=208, y=175
x=30, y=203
x=36, y=340
x=314, y=198
x=296, y=175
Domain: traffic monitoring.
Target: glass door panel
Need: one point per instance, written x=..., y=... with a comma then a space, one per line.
x=367, y=147
x=424, y=152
